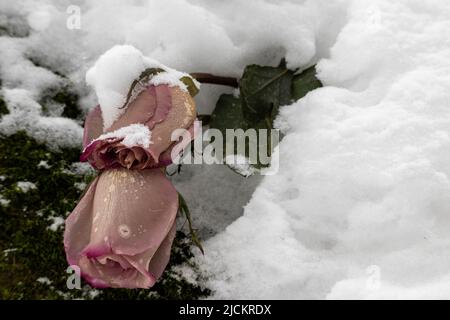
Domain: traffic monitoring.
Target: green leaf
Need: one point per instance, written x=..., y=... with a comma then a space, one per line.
x=263, y=90
x=228, y=114
x=304, y=82
x=204, y=118
x=190, y=84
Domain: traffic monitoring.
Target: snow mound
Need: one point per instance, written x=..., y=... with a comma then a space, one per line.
x=360, y=207
x=26, y=114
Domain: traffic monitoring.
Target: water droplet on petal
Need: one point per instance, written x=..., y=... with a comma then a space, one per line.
x=124, y=231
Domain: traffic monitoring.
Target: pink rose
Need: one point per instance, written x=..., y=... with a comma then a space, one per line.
x=121, y=231
x=161, y=110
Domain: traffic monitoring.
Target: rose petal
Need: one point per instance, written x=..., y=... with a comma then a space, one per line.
x=163, y=104
x=150, y=106
x=93, y=126
x=78, y=225
x=181, y=116
x=166, y=158
x=159, y=261
x=133, y=210
x=115, y=271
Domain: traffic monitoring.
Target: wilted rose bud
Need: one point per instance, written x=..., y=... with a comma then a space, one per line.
x=139, y=138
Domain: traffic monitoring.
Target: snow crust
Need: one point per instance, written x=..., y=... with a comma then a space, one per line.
x=133, y=135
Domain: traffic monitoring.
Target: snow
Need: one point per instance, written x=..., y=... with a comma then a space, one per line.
x=56, y=223
x=363, y=181
x=111, y=77
x=240, y=164
x=81, y=169
x=43, y=164
x=25, y=186
x=132, y=135
x=44, y=280
x=4, y=202
x=26, y=114
x=80, y=185
x=93, y=293
x=170, y=78
x=40, y=19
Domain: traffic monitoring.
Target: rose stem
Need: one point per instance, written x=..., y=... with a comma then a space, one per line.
x=212, y=79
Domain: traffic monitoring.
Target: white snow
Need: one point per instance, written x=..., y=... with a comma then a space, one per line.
x=240, y=164
x=133, y=135
x=56, y=223
x=94, y=293
x=361, y=205
x=43, y=164
x=4, y=202
x=169, y=78
x=111, y=77
x=44, y=280
x=363, y=180
x=81, y=168
x=80, y=185
x=26, y=114
x=114, y=72
x=40, y=19
x=26, y=186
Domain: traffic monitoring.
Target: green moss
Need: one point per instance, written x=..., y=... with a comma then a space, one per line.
x=63, y=96
x=34, y=251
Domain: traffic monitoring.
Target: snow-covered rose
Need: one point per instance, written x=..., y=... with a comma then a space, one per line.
x=141, y=137
x=120, y=234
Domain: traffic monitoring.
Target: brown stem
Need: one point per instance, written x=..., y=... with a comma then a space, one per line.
x=212, y=79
